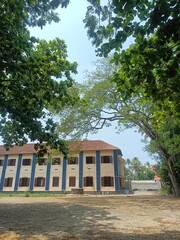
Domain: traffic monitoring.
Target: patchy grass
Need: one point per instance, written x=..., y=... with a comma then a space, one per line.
x=31, y=194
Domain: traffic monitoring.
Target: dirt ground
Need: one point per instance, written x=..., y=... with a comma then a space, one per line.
x=88, y=217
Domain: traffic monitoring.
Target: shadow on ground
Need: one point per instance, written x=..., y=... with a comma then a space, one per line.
x=65, y=221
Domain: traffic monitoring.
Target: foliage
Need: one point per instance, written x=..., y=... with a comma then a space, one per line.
x=152, y=62
x=101, y=104
x=111, y=23
x=34, y=74
x=135, y=170
x=149, y=69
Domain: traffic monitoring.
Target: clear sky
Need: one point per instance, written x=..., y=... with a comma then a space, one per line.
x=71, y=29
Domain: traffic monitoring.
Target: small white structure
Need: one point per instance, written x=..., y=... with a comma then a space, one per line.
x=145, y=185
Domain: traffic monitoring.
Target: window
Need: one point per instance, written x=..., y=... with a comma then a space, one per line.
x=11, y=162
x=8, y=182
x=106, y=159
x=107, y=182
x=26, y=162
x=90, y=160
x=73, y=160
x=1, y=162
x=72, y=181
x=39, y=182
x=24, y=182
x=42, y=161
x=88, y=181
x=55, y=182
x=56, y=161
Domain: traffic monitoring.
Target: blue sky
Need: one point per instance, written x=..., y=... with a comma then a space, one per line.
x=71, y=29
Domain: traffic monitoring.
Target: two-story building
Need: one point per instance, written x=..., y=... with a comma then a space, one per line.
x=94, y=166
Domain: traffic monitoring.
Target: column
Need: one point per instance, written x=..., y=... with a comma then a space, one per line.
x=98, y=172
x=32, y=172
x=64, y=175
x=116, y=170
x=48, y=170
x=18, y=172
x=81, y=170
x=3, y=172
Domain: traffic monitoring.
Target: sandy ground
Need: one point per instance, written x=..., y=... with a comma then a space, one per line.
x=90, y=217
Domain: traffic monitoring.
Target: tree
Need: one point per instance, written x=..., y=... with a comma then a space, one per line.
x=149, y=67
x=34, y=74
x=135, y=170
x=101, y=103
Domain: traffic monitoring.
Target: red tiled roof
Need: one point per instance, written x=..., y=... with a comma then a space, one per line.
x=156, y=178
x=26, y=148
x=91, y=145
x=87, y=145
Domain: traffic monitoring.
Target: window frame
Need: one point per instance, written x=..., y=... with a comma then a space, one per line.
x=11, y=162
x=72, y=160
x=55, y=181
x=88, y=159
x=1, y=162
x=24, y=182
x=107, y=181
x=8, y=182
x=88, y=181
x=26, y=162
x=106, y=159
x=39, y=182
x=72, y=181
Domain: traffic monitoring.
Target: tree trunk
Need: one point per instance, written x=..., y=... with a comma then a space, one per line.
x=173, y=177
x=171, y=172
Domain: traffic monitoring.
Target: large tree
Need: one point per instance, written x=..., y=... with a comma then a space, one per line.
x=101, y=103
x=150, y=67
x=34, y=74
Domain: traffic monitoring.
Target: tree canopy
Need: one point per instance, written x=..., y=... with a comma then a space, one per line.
x=34, y=73
x=135, y=170
x=110, y=23
x=101, y=104
x=148, y=69
x=153, y=62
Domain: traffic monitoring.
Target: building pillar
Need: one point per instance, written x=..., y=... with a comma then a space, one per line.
x=32, y=172
x=64, y=175
x=48, y=171
x=3, y=172
x=81, y=170
x=116, y=170
x=98, y=172
x=18, y=172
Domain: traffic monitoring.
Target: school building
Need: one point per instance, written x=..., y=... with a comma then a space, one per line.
x=94, y=166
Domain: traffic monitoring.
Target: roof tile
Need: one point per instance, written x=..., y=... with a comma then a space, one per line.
x=86, y=145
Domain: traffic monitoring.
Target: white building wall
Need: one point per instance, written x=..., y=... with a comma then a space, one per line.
x=11, y=173
x=89, y=170
x=72, y=171
x=56, y=171
x=25, y=171
x=40, y=172
x=107, y=169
